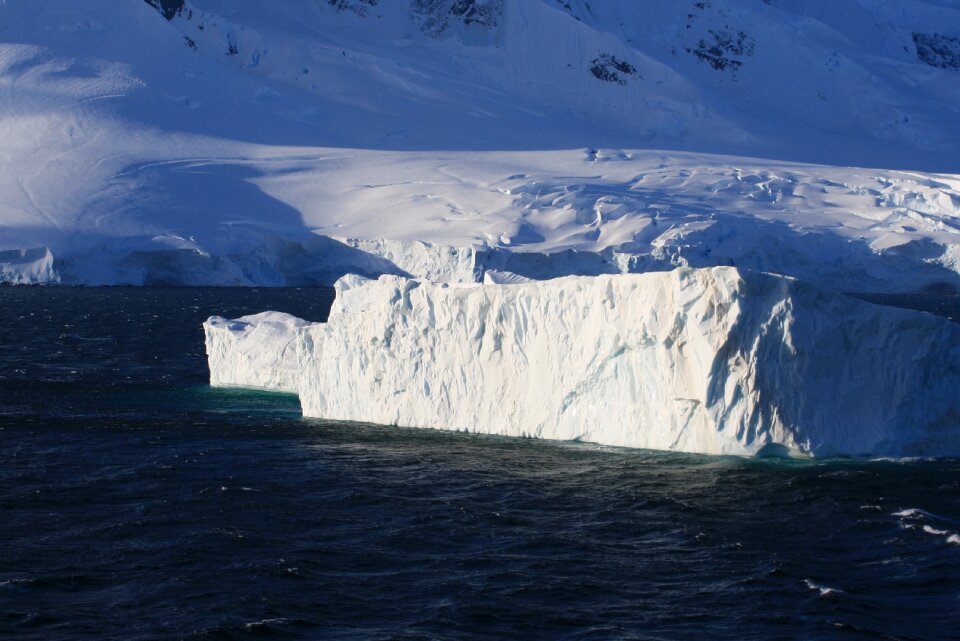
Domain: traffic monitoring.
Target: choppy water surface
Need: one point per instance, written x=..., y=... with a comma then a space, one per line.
x=136, y=503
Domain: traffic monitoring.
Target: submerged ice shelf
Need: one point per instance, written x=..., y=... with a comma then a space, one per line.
x=716, y=361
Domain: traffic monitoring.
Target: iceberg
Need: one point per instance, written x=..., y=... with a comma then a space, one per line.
x=714, y=360
x=256, y=352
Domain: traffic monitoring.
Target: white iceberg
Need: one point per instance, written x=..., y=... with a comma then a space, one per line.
x=715, y=361
x=257, y=351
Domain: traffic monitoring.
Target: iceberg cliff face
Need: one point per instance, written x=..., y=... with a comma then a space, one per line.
x=717, y=361
x=257, y=351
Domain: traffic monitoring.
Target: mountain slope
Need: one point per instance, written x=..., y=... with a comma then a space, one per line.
x=220, y=142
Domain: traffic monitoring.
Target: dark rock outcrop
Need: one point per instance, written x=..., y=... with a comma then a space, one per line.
x=720, y=53
x=359, y=7
x=609, y=68
x=439, y=15
x=168, y=8
x=938, y=50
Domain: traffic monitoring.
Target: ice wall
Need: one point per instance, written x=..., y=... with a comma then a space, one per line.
x=717, y=361
x=257, y=351
x=27, y=266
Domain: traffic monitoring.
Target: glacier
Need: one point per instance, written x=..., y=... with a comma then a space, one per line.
x=714, y=360
x=254, y=142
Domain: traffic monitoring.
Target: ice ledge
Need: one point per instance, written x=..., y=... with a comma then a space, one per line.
x=716, y=361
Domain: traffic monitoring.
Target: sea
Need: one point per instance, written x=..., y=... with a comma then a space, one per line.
x=138, y=503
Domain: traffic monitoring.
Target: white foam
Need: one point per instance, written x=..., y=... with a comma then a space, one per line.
x=911, y=513
x=932, y=530
x=254, y=625
x=824, y=591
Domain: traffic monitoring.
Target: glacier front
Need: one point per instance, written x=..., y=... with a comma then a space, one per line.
x=716, y=361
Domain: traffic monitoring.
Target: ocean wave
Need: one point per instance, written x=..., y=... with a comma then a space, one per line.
x=823, y=590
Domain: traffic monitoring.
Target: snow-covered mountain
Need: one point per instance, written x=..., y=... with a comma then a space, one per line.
x=265, y=142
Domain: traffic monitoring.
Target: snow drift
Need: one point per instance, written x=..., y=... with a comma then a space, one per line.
x=717, y=361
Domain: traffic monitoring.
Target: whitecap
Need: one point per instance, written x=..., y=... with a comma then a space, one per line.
x=257, y=624
x=916, y=513
x=932, y=530
x=824, y=591
x=912, y=512
x=14, y=584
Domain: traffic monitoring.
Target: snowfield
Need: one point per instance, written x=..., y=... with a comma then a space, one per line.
x=265, y=143
x=715, y=361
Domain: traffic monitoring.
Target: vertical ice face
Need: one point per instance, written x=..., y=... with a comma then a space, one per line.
x=28, y=266
x=716, y=361
x=257, y=351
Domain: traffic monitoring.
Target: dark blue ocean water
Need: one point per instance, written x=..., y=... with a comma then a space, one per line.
x=137, y=503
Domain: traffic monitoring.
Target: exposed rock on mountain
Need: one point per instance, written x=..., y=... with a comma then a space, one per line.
x=938, y=50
